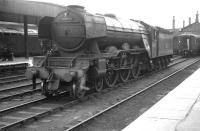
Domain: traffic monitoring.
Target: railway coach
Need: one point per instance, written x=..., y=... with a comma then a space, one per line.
x=90, y=51
x=187, y=44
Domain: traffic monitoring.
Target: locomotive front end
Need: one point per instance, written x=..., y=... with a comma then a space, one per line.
x=59, y=70
x=58, y=74
x=68, y=29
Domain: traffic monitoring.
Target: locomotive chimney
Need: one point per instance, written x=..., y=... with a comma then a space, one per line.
x=183, y=23
x=173, y=23
x=197, y=17
x=189, y=20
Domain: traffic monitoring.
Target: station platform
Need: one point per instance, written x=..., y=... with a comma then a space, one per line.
x=179, y=110
x=16, y=60
x=17, y=63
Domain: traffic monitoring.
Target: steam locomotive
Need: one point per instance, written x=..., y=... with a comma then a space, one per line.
x=187, y=44
x=90, y=51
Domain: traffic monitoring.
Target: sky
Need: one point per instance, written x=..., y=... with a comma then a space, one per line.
x=153, y=12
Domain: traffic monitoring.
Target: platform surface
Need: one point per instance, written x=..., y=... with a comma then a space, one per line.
x=17, y=60
x=179, y=110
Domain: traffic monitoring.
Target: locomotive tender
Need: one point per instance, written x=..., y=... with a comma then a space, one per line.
x=187, y=44
x=90, y=51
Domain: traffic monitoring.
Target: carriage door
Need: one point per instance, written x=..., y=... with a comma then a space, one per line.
x=155, y=46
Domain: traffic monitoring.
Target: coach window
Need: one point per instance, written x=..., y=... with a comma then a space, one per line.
x=1, y=34
x=153, y=34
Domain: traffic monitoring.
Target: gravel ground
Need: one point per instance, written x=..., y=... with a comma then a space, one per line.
x=110, y=121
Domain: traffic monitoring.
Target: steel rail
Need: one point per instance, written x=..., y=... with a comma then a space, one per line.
x=17, y=87
x=21, y=105
x=10, y=79
x=41, y=114
x=128, y=98
x=22, y=93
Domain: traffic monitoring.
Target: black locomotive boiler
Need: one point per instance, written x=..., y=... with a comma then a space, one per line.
x=187, y=44
x=90, y=51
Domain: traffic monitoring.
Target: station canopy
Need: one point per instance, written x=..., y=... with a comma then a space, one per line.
x=15, y=10
x=17, y=28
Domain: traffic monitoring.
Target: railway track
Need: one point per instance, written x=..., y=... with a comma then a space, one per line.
x=18, y=91
x=32, y=109
x=83, y=122
x=176, y=57
x=11, y=79
x=16, y=86
x=17, y=96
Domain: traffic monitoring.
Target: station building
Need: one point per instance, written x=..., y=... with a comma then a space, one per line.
x=192, y=28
